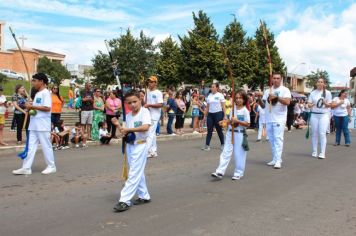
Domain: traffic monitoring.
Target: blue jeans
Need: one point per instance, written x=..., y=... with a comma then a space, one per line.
x=342, y=123
x=170, y=123
x=213, y=121
x=158, y=129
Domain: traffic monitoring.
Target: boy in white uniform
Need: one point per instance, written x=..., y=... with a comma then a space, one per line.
x=39, y=127
x=261, y=122
x=276, y=100
x=138, y=122
x=241, y=120
x=154, y=102
x=320, y=101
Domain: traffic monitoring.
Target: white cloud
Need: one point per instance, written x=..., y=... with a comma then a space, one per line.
x=324, y=41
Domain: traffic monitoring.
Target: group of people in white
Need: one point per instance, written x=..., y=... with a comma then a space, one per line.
x=141, y=123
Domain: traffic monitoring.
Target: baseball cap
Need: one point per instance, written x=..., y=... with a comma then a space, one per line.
x=153, y=78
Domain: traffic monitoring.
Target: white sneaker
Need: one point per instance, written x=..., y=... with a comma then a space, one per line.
x=22, y=171
x=65, y=147
x=278, y=165
x=271, y=163
x=236, y=177
x=206, y=148
x=172, y=134
x=195, y=132
x=217, y=175
x=49, y=170
x=77, y=145
x=321, y=156
x=153, y=155
x=314, y=154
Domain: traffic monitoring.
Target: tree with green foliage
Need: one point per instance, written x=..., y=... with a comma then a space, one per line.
x=242, y=53
x=55, y=70
x=262, y=73
x=169, y=62
x=102, y=70
x=313, y=77
x=201, y=54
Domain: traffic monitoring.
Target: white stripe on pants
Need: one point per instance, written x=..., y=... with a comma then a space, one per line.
x=319, y=124
x=260, y=129
x=275, y=133
x=239, y=154
x=152, y=139
x=35, y=138
x=136, y=181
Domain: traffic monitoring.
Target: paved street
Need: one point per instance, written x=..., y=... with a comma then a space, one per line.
x=306, y=197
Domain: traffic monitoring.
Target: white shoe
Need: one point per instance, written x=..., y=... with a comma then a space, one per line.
x=278, y=165
x=206, y=148
x=217, y=175
x=77, y=145
x=195, y=132
x=271, y=163
x=236, y=177
x=22, y=171
x=153, y=155
x=321, y=156
x=49, y=170
x=172, y=134
x=65, y=147
x=314, y=154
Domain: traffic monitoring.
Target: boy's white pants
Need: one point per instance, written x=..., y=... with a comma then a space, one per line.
x=237, y=150
x=275, y=133
x=136, y=181
x=319, y=124
x=152, y=139
x=35, y=138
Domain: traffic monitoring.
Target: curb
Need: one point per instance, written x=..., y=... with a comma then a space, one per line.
x=13, y=150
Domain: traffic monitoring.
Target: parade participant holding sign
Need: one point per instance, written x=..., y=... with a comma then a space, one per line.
x=154, y=102
x=278, y=98
x=215, y=113
x=319, y=101
x=136, y=135
x=239, y=148
x=39, y=127
x=342, y=113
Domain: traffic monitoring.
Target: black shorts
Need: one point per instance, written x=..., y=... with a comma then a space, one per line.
x=79, y=140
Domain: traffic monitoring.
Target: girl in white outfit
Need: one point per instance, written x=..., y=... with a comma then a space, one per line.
x=240, y=121
x=319, y=102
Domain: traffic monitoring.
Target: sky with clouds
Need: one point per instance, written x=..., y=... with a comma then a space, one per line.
x=310, y=34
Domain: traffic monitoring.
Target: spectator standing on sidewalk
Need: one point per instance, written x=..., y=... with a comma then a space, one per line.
x=70, y=97
x=195, y=113
x=342, y=113
x=113, y=106
x=87, y=110
x=3, y=108
x=171, y=111
x=98, y=115
x=19, y=100
x=290, y=114
x=181, y=109
x=57, y=104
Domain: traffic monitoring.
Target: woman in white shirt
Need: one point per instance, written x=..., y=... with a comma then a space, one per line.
x=215, y=113
x=342, y=112
x=319, y=103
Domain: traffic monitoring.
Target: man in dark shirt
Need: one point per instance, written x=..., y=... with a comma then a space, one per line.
x=87, y=110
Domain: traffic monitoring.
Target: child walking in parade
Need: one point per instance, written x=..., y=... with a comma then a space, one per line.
x=237, y=127
x=39, y=127
x=138, y=123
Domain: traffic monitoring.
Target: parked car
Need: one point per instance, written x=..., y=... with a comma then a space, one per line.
x=11, y=74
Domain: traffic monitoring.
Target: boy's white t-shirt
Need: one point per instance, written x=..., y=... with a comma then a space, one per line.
x=241, y=114
x=143, y=117
x=2, y=108
x=154, y=97
x=42, y=120
x=214, y=101
x=314, y=97
x=103, y=132
x=341, y=110
x=278, y=114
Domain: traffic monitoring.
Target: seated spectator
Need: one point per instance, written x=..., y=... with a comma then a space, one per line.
x=55, y=137
x=78, y=136
x=299, y=123
x=104, y=135
x=63, y=135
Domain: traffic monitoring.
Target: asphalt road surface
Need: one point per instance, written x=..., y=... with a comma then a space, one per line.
x=307, y=196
